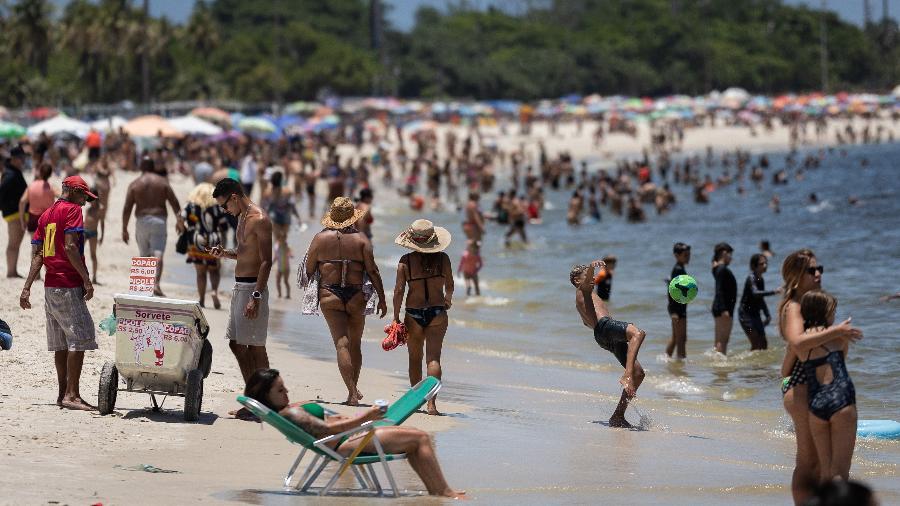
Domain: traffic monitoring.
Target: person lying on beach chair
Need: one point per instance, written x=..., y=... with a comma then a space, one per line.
x=267, y=387
x=620, y=338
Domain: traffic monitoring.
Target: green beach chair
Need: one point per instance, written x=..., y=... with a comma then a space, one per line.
x=396, y=414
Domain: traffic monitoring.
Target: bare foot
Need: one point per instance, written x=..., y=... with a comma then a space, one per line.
x=352, y=400
x=432, y=409
x=619, y=422
x=76, y=404
x=455, y=494
x=216, y=303
x=288, y=296
x=13, y=275
x=158, y=292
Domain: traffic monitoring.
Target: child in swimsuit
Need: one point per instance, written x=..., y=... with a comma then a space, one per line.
x=469, y=265
x=831, y=397
x=622, y=339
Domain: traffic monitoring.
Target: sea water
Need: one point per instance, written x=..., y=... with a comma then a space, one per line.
x=708, y=429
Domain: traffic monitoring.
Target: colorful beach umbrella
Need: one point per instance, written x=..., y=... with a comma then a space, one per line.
x=59, y=125
x=195, y=126
x=213, y=114
x=10, y=130
x=257, y=124
x=150, y=126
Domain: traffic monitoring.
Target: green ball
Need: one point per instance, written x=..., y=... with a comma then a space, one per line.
x=683, y=289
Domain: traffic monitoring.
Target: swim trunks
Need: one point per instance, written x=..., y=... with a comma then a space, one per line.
x=610, y=335
x=151, y=235
x=241, y=329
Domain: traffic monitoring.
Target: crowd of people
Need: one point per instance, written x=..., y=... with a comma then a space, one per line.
x=339, y=277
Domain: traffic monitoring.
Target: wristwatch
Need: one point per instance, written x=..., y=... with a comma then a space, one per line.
x=256, y=295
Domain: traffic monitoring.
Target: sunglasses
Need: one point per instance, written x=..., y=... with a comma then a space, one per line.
x=813, y=270
x=224, y=206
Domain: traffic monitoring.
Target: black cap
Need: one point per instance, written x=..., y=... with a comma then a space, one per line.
x=17, y=151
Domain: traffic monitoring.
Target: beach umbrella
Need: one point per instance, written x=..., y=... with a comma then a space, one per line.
x=194, y=125
x=60, y=124
x=212, y=114
x=257, y=124
x=150, y=126
x=737, y=94
x=42, y=113
x=111, y=124
x=11, y=130
x=301, y=107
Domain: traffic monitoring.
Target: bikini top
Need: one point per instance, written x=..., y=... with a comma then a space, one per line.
x=424, y=278
x=344, y=262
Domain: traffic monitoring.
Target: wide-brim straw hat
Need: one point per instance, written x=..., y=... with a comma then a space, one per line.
x=342, y=214
x=424, y=237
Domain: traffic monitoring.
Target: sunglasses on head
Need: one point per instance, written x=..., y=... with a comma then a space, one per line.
x=813, y=270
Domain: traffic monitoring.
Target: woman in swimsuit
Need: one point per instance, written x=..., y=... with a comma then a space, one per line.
x=801, y=273
x=832, y=397
x=279, y=204
x=342, y=259
x=428, y=273
x=753, y=303
x=267, y=387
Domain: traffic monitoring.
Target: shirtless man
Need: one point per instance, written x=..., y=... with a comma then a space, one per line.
x=474, y=224
x=517, y=211
x=342, y=257
x=619, y=338
x=249, y=317
x=148, y=195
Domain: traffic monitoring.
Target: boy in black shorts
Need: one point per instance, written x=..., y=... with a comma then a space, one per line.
x=678, y=311
x=620, y=338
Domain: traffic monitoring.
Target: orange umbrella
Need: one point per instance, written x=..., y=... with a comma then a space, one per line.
x=213, y=114
x=151, y=126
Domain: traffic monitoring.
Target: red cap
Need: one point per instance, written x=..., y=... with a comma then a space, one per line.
x=78, y=183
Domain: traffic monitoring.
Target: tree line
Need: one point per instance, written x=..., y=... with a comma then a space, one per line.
x=285, y=50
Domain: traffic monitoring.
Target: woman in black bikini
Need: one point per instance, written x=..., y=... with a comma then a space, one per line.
x=342, y=261
x=428, y=273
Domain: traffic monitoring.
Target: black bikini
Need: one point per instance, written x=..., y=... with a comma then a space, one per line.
x=424, y=316
x=342, y=290
x=826, y=400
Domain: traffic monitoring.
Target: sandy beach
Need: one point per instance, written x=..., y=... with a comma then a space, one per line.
x=49, y=455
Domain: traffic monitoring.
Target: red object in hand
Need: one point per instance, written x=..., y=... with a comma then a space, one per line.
x=396, y=336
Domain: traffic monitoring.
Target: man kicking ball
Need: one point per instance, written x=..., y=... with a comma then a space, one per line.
x=622, y=339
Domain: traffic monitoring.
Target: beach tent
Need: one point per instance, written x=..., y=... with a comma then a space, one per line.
x=151, y=126
x=42, y=113
x=11, y=130
x=896, y=91
x=194, y=125
x=111, y=124
x=60, y=124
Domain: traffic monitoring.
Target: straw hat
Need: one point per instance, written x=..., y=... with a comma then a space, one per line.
x=424, y=237
x=342, y=214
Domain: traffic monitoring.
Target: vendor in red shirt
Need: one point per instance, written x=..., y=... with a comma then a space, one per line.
x=58, y=245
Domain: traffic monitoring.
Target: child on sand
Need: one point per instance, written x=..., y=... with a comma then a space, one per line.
x=469, y=265
x=620, y=338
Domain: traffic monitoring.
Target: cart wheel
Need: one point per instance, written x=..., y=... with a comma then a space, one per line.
x=109, y=387
x=205, y=363
x=193, y=395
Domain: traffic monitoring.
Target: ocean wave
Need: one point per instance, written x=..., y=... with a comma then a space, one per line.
x=535, y=360
x=679, y=386
x=482, y=300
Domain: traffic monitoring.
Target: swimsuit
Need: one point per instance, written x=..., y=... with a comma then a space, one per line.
x=316, y=410
x=424, y=316
x=796, y=377
x=752, y=303
x=342, y=290
x=611, y=336
x=726, y=291
x=827, y=399
x=676, y=308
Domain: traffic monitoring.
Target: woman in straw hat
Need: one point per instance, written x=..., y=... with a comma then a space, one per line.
x=428, y=273
x=340, y=264
x=206, y=223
